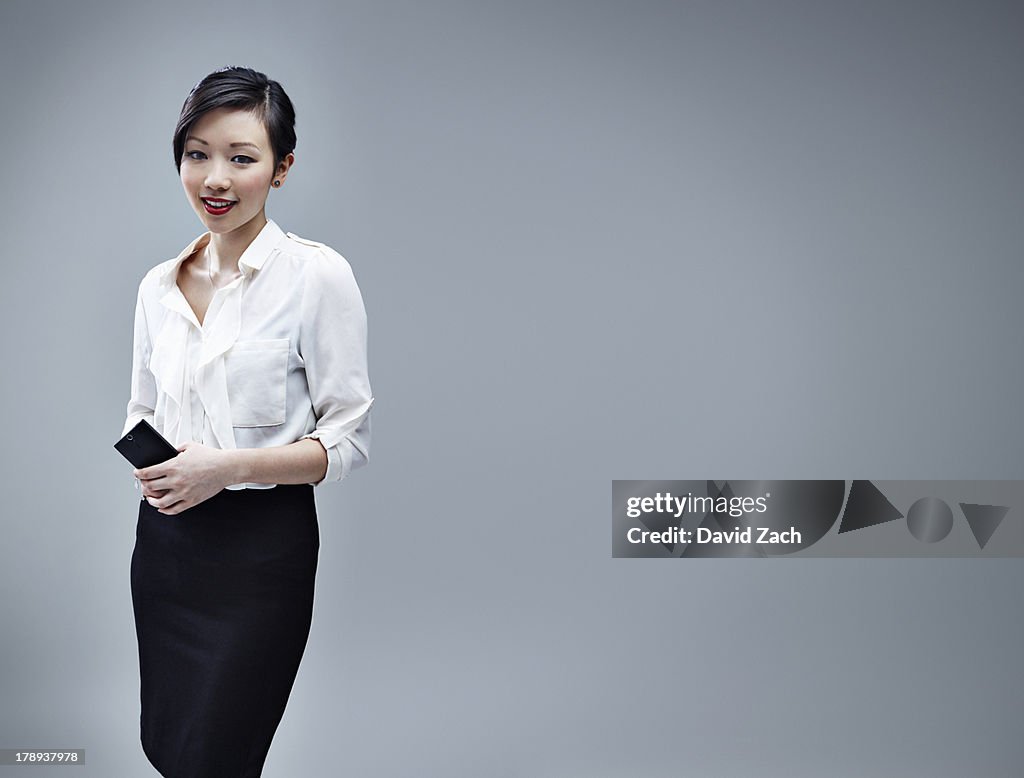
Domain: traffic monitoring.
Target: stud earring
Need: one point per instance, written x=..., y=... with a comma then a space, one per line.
x=277, y=183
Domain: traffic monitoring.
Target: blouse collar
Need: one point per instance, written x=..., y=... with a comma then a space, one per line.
x=253, y=258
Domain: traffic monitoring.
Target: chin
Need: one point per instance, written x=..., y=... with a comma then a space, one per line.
x=220, y=227
x=214, y=223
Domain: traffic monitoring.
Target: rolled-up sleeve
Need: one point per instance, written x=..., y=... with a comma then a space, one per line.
x=332, y=344
x=142, y=402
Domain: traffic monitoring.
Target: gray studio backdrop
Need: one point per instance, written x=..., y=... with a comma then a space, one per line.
x=596, y=241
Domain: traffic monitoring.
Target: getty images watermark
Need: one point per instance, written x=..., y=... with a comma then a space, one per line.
x=817, y=518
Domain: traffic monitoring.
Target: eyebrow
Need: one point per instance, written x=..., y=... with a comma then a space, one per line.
x=232, y=145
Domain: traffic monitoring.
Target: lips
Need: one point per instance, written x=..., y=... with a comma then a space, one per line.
x=217, y=206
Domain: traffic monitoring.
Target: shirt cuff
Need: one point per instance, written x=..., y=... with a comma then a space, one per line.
x=339, y=459
x=348, y=451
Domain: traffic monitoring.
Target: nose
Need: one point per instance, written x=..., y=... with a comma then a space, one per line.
x=217, y=177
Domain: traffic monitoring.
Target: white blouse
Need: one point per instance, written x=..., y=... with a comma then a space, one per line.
x=280, y=355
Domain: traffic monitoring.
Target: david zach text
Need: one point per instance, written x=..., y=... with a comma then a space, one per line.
x=705, y=535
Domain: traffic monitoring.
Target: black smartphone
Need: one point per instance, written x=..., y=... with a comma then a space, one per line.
x=143, y=446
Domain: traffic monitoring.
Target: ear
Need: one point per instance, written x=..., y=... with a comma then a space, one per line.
x=281, y=173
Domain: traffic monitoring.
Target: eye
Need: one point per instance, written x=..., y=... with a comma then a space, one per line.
x=242, y=159
x=195, y=155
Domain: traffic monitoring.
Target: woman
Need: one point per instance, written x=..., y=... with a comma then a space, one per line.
x=250, y=357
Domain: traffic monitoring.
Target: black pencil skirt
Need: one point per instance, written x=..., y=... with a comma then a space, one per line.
x=223, y=599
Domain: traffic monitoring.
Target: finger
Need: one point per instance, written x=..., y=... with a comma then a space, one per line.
x=159, y=483
x=163, y=500
x=174, y=509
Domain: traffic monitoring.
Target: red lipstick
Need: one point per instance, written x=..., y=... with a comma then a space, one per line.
x=216, y=206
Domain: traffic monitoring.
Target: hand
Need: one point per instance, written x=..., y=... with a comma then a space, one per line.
x=196, y=474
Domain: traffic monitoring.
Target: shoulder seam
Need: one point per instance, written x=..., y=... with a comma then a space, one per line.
x=304, y=241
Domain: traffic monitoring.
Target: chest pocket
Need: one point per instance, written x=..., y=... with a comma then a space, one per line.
x=257, y=374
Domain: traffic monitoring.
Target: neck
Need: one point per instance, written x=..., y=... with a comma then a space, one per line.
x=224, y=250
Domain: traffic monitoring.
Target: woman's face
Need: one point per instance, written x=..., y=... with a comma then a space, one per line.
x=227, y=168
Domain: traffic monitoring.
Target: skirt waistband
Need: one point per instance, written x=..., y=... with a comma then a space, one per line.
x=229, y=502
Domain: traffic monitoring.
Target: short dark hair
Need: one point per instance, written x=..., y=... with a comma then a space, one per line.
x=245, y=88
